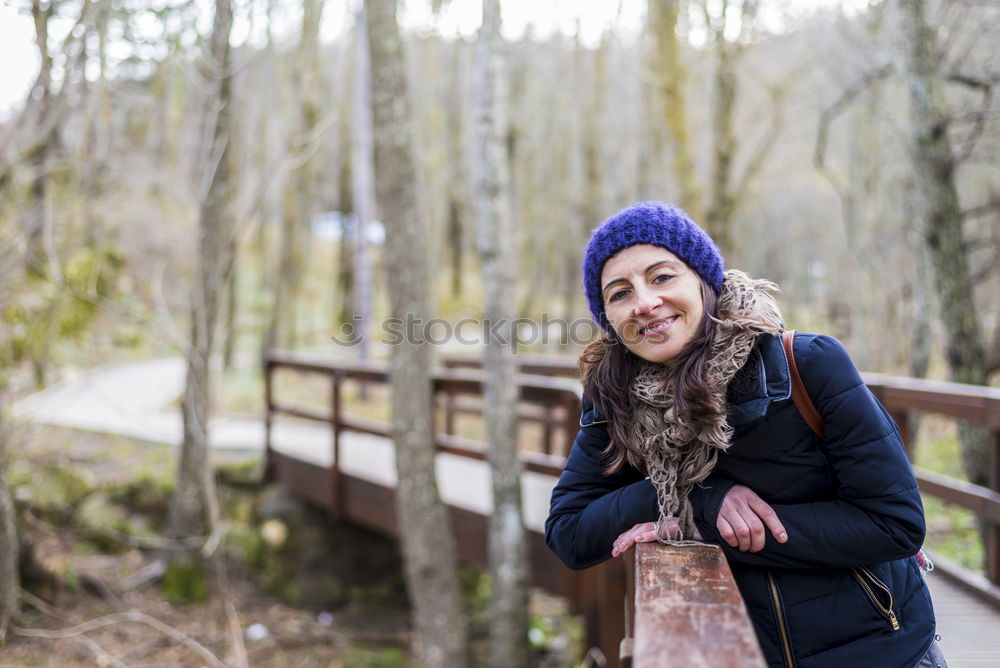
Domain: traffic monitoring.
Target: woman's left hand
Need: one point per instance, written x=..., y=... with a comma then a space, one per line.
x=644, y=533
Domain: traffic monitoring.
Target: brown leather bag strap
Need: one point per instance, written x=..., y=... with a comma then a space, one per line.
x=799, y=395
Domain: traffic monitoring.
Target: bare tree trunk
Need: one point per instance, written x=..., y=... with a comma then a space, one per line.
x=232, y=313
x=455, y=244
x=672, y=78
x=96, y=135
x=362, y=184
x=934, y=167
x=194, y=508
x=10, y=580
x=425, y=527
x=36, y=222
x=282, y=318
x=508, y=547
x=721, y=203
x=299, y=191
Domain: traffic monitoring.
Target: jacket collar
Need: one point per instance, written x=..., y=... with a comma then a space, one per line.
x=763, y=379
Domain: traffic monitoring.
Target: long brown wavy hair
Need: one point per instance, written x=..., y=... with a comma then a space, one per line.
x=608, y=368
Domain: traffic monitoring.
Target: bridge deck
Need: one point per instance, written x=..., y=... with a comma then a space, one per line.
x=969, y=629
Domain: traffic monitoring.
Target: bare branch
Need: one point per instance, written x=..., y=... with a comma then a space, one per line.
x=979, y=119
x=109, y=658
x=846, y=98
x=971, y=81
x=767, y=142
x=132, y=616
x=205, y=543
x=981, y=210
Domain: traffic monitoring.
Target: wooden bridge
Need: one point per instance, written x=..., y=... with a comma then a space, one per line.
x=345, y=463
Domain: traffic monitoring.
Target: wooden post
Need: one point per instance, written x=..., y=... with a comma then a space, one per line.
x=902, y=419
x=992, y=545
x=626, y=649
x=571, y=423
x=547, y=425
x=269, y=472
x=336, y=481
x=449, y=412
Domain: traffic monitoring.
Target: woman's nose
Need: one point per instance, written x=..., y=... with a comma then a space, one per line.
x=645, y=300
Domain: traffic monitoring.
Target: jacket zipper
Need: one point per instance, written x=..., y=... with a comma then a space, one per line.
x=886, y=611
x=786, y=644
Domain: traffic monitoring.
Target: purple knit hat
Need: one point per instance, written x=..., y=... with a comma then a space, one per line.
x=653, y=223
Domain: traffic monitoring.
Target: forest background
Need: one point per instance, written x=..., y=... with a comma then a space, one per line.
x=187, y=178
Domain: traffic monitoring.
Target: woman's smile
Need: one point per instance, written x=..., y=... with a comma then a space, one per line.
x=658, y=327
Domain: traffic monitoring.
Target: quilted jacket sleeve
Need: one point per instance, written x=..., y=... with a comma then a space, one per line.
x=877, y=514
x=590, y=509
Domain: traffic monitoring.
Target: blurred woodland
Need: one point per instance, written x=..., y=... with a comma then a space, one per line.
x=796, y=149
x=187, y=178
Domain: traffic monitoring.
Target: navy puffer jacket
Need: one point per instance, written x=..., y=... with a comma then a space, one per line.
x=844, y=590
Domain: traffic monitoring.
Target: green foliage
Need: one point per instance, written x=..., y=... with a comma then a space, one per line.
x=99, y=514
x=952, y=531
x=246, y=544
x=46, y=309
x=384, y=657
x=56, y=489
x=477, y=590
x=184, y=583
x=149, y=493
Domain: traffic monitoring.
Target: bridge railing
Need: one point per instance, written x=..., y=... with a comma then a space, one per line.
x=978, y=405
x=551, y=400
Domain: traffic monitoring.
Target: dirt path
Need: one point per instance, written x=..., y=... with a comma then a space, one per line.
x=134, y=399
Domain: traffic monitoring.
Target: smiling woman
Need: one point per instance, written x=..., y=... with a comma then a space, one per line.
x=689, y=433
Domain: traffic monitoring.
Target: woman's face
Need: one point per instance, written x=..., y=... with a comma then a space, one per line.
x=652, y=300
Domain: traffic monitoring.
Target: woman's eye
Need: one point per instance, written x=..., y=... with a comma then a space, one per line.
x=616, y=296
x=662, y=278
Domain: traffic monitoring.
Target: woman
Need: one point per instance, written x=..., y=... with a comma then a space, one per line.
x=689, y=433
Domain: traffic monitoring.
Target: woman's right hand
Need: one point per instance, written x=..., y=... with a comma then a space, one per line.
x=742, y=519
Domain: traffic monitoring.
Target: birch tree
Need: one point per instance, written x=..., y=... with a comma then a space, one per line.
x=297, y=199
x=194, y=508
x=362, y=182
x=424, y=524
x=9, y=578
x=671, y=81
x=508, y=548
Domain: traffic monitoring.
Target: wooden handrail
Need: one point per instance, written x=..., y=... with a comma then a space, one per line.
x=684, y=609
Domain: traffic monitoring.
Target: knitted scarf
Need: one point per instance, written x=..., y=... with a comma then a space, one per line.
x=678, y=451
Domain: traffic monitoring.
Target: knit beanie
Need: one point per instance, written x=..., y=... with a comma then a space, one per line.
x=653, y=223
